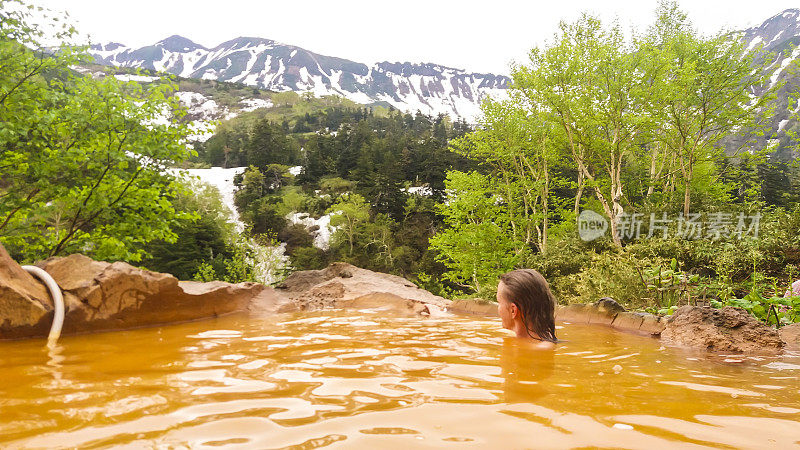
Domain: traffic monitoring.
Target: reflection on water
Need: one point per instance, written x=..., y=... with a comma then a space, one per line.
x=360, y=379
x=524, y=371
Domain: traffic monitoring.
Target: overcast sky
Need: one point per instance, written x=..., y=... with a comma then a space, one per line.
x=482, y=36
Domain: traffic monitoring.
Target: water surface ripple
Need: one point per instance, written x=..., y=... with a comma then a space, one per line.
x=361, y=379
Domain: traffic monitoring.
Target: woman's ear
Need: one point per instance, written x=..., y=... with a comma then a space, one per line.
x=513, y=309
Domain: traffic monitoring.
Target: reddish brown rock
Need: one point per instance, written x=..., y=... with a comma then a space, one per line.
x=112, y=296
x=728, y=329
x=341, y=285
x=25, y=304
x=791, y=335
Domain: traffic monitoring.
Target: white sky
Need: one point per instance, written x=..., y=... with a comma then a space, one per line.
x=481, y=36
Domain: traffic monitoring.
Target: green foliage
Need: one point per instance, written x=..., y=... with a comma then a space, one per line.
x=202, y=244
x=292, y=200
x=660, y=274
x=771, y=310
x=623, y=125
x=247, y=261
x=205, y=273
x=348, y=214
x=477, y=245
x=521, y=152
x=642, y=119
x=240, y=267
x=309, y=258
x=82, y=161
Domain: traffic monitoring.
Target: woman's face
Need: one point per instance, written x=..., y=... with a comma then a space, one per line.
x=505, y=309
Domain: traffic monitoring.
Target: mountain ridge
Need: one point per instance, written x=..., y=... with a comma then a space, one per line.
x=780, y=35
x=428, y=87
x=264, y=63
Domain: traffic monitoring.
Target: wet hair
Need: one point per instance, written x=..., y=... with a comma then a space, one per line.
x=528, y=289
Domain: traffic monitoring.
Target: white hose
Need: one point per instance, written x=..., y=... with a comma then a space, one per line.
x=58, y=301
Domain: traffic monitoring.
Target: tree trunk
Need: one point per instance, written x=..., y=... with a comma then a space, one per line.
x=579, y=193
x=545, y=195
x=611, y=216
x=653, y=176
x=687, y=193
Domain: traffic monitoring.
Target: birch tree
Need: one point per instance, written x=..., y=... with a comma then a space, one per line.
x=705, y=89
x=592, y=85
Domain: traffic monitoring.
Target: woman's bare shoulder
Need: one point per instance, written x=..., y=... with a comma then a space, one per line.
x=536, y=344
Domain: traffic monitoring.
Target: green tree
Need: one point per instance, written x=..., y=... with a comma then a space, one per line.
x=478, y=244
x=521, y=148
x=268, y=145
x=82, y=161
x=592, y=85
x=348, y=214
x=702, y=93
x=208, y=240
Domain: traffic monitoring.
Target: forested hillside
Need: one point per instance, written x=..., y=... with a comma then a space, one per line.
x=640, y=133
x=610, y=169
x=383, y=170
x=639, y=166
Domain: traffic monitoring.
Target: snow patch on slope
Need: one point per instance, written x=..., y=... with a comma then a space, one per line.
x=322, y=236
x=137, y=78
x=251, y=104
x=429, y=88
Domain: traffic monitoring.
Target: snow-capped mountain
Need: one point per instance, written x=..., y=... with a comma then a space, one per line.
x=780, y=35
x=775, y=32
x=271, y=65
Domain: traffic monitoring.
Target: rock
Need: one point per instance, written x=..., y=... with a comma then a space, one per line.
x=639, y=322
x=475, y=307
x=731, y=330
x=103, y=296
x=791, y=335
x=341, y=285
x=574, y=313
x=607, y=311
x=384, y=301
x=627, y=320
x=653, y=325
x=112, y=296
x=25, y=304
x=604, y=311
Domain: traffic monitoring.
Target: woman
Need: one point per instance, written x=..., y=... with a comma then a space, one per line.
x=526, y=307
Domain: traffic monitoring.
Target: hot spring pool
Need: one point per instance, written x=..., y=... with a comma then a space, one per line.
x=361, y=379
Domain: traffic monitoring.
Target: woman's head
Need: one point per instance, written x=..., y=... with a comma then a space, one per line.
x=524, y=299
